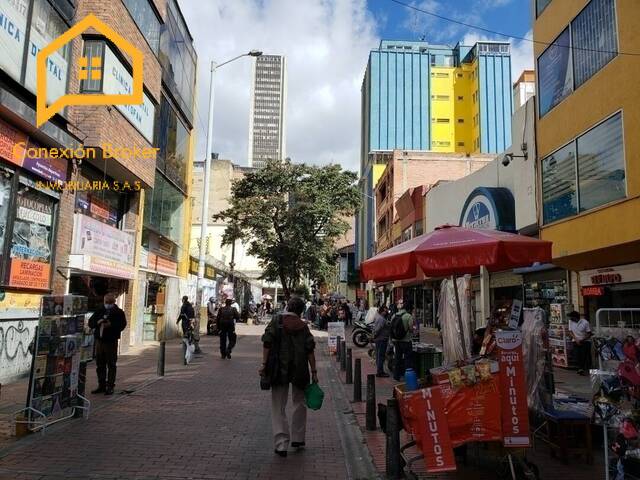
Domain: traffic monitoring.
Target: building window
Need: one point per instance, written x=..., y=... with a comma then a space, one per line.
x=461, y=120
x=601, y=171
x=419, y=228
x=593, y=36
x=559, y=192
x=448, y=61
x=105, y=205
x=173, y=139
x=580, y=51
x=5, y=200
x=91, y=67
x=178, y=59
x=460, y=97
x=541, y=5
x=555, y=76
x=164, y=209
x=442, y=120
x=461, y=144
x=145, y=17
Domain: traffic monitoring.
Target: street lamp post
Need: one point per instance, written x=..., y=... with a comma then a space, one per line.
x=207, y=178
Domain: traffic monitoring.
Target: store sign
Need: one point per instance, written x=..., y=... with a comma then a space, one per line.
x=144, y=257
x=13, y=26
x=515, y=413
x=193, y=265
x=19, y=305
x=611, y=275
x=53, y=169
x=334, y=330
x=101, y=266
x=209, y=272
x=29, y=274
x=489, y=208
x=11, y=143
x=92, y=237
x=118, y=81
x=166, y=266
x=592, y=291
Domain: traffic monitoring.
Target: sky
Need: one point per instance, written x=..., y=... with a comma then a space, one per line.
x=326, y=44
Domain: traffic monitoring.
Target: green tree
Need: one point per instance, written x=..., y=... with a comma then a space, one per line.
x=290, y=216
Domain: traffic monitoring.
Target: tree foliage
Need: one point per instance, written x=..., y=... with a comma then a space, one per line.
x=290, y=216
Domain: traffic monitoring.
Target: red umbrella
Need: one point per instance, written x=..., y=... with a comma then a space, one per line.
x=452, y=250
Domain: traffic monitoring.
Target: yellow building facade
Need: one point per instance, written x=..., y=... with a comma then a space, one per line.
x=588, y=144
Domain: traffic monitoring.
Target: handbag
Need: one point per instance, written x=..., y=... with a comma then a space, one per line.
x=271, y=374
x=313, y=396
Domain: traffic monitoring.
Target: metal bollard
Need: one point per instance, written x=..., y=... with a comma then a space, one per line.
x=349, y=376
x=357, y=381
x=161, y=353
x=338, y=347
x=371, y=402
x=343, y=356
x=393, y=440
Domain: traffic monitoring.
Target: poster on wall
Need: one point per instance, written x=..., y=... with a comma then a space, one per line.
x=118, y=81
x=95, y=238
x=46, y=25
x=555, y=75
x=12, y=35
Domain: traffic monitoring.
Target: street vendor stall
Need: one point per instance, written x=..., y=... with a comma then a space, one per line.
x=472, y=399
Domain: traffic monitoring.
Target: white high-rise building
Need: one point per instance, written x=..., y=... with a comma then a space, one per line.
x=267, y=138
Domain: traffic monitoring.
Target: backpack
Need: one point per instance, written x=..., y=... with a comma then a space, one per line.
x=398, y=331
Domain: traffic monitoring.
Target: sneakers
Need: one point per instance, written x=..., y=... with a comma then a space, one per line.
x=100, y=389
x=109, y=391
x=229, y=356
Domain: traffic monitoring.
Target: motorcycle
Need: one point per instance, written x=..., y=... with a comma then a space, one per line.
x=362, y=334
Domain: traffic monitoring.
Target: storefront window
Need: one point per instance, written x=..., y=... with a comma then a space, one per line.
x=559, y=198
x=178, y=59
x=5, y=199
x=164, y=209
x=555, y=75
x=30, y=254
x=173, y=139
x=104, y=205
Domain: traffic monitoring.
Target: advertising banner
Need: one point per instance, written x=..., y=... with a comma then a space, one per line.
x=29, y=274
x=434, y=436
x=12, y=35
x=97, y=239
x=473, y=412
x=515, y=415
x=334, y=330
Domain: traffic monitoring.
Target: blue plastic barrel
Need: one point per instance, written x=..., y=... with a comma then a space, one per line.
x=410, y=379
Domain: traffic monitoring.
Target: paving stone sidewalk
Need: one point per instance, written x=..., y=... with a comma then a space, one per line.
x=208, y=420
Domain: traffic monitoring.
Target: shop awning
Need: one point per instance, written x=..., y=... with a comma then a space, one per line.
x=452, y=250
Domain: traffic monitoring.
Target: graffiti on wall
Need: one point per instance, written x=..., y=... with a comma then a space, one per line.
x=15, y=357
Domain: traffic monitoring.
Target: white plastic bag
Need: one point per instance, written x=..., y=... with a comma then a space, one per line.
x=189, y=350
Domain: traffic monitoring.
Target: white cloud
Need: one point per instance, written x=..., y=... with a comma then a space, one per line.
x=521, y=51
x=326, y=44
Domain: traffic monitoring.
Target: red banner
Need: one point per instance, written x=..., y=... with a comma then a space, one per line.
x=515, y=414
x=424, y=417
x=473, y=412
x=436, y=443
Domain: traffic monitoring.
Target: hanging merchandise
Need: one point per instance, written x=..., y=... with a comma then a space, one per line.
x=535, y=350
x=447, y=314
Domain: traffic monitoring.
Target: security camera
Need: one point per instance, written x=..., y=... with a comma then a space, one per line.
x=506, y=159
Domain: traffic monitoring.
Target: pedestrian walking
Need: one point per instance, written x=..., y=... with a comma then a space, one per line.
x=107, y=322
x=295, y=356
x=381, y=332
x=186, y=317
x=402, y=326
x=580, y=331
x=226, y=321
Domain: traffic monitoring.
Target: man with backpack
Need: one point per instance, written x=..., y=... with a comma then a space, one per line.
x=226, y=320
x=401, y=333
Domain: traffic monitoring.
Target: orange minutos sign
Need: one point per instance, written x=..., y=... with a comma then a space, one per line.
x=29, y=274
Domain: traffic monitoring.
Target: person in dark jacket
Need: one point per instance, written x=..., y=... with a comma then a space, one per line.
x=295, y=355
x=381, y=332
x=227, y=318
x=107, y=322
x=186, y=317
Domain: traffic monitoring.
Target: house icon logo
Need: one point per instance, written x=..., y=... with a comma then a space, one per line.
x=86, y=70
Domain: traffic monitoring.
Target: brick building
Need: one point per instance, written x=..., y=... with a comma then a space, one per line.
x=407, y=170
x=121, y=218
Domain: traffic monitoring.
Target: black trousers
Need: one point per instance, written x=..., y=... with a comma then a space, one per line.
x=403, y=358
x=583, y=355
x=227, y=340
x=106, y=358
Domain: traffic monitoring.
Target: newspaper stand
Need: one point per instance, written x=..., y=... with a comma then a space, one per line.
x=481, y=402
x=62, y=346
